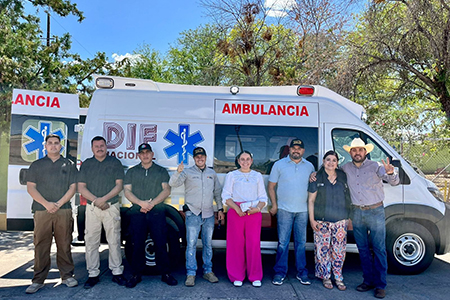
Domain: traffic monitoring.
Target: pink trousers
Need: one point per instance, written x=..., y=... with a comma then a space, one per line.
x=244, y=246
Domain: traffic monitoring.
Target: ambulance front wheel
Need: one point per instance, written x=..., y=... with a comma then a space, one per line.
x=410, y=247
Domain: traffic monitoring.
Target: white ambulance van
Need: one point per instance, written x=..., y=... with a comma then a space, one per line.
x=34, y=115
x=175, y=119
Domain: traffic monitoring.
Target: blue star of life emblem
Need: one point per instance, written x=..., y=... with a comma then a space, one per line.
x=183, y=143
x=37, y=138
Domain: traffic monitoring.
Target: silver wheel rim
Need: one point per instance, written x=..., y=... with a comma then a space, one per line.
x=409, y=249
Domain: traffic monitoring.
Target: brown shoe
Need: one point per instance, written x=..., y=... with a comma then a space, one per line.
x=380, y=293
x=211, y=277
x=364, y=287
x=190, y=280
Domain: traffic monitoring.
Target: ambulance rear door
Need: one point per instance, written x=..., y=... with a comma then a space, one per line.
x=34, y=115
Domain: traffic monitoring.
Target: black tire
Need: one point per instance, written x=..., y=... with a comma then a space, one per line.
x=410, y=247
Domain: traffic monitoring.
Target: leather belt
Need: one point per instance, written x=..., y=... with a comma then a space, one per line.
x=367, y=207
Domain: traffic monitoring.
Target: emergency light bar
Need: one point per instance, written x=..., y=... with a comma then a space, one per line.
x=305, y=90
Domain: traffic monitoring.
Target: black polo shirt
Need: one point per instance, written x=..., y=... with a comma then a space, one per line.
x=52, y=179
x=100, y=176
x=146, y=183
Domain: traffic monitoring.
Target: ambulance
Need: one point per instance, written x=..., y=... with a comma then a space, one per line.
x=175, y=119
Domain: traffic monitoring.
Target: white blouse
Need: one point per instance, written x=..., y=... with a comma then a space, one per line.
x=244, y=187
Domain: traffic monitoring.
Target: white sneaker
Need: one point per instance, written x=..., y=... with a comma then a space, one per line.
x=256, y=283
x=237, y=283
x=34, y=287
x=70, y=282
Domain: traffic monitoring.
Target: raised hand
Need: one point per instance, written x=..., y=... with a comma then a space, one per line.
x=180, y=167
x=387, y=166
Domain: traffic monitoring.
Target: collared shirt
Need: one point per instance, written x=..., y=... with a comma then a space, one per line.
x=146, y=184
x=366, y=182
x=100, y=176
x=244, y=187
x=201, y=187
x=52, y=179
x=292, y=184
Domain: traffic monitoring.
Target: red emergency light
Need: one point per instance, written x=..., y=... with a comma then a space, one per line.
x=305, y=90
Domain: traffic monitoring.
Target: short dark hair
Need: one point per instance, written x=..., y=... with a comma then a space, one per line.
x=97, y=138
x=331, y=152
x=52, y=136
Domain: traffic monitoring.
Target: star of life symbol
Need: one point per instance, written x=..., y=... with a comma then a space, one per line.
x=183, y=143
x=36, y=138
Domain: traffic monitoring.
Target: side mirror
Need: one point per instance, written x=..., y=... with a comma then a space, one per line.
x=404, y=178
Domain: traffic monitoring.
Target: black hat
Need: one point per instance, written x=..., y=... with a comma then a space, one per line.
x=144, y=146
x=199, y=151
x=297, y=142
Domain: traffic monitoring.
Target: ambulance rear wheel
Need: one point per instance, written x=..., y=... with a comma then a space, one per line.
x=410, y=247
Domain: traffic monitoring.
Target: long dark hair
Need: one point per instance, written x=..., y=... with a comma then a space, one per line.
x=239, y=156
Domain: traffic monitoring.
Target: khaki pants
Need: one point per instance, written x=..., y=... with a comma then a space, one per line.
x=47, y=226
x=110, y=219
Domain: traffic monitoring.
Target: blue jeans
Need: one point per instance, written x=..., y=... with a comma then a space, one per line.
x=369, y=229
x=285, y=221
x=193, y=225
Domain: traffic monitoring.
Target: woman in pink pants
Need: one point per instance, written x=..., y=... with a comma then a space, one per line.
x=245, y=195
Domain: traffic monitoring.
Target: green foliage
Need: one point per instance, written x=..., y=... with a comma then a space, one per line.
x=26, y=63
x=407, y=41
x=194, y=59
x=144, y=63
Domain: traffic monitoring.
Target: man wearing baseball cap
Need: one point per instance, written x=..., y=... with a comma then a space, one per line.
x=201, y=187
x=146, y=186
x=289, y=203
x=365, y=180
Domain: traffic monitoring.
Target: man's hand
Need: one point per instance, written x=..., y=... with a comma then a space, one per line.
x=312, y=177
x=220, y=216
x=51, y=207
x=146, y=206
x=180, y=167
x=273, y=211
x=388, y=167
x=101, y=203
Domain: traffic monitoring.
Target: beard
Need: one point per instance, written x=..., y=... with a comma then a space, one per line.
x=358, y=158
x=296, y=156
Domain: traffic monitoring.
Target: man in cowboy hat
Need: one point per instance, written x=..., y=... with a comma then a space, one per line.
x=365, y=180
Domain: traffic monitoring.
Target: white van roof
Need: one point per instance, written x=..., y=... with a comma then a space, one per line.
x=134, y=84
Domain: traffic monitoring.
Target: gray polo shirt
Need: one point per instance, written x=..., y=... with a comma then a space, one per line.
x=201, y=188
x=366, y=182
x=292, y=184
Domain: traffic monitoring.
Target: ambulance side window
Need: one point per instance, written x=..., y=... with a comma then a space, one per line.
x=267, y=144
x=343, y=137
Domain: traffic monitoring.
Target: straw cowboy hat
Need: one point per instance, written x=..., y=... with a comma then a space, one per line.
x=358, y=143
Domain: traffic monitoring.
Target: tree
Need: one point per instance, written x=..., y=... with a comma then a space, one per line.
x=194, y=58
x=321, y=26
x=26, y=63
x=254, y=51
x=408, y=41
x=144, y=63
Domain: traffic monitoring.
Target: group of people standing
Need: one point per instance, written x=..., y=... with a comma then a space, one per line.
x=329, y=198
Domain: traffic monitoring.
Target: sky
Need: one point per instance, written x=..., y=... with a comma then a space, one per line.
x=118, y=27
